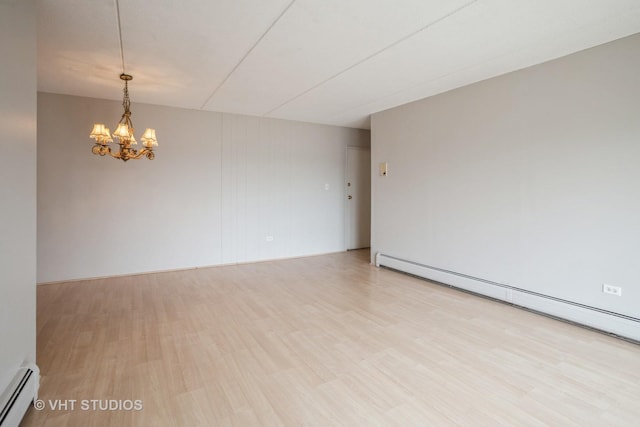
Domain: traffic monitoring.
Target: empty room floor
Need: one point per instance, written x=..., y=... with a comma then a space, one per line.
x=326, y=340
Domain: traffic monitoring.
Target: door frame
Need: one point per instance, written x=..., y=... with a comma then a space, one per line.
x=347, y=222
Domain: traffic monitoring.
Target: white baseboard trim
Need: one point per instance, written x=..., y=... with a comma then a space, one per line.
x=171, y=270
x=16, y=398
x=607, y=321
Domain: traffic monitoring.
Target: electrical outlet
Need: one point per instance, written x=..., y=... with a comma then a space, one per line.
x=269, y=238
x=613, y=290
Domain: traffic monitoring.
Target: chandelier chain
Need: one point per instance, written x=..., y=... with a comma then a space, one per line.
x=120, y=35
x=126, y=102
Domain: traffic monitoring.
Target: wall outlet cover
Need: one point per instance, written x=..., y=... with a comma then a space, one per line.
x=610, y=289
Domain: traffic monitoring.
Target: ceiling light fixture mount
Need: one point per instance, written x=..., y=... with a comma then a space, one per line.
x=125, y=130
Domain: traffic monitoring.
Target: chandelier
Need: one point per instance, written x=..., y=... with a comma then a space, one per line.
x=124, y=131
x=124, y=134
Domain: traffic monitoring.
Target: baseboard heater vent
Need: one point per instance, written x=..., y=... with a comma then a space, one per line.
x=607, y=321
x=15, y=401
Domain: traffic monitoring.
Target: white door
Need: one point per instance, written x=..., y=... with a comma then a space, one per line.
x=358, y=198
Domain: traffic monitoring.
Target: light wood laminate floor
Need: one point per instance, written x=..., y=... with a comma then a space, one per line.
x=327, y=340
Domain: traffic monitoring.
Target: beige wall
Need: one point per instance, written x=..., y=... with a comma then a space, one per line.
x=17, y=187
x=530, y=179
x=219, y=185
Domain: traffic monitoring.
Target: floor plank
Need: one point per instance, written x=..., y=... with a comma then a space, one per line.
x=327, y=340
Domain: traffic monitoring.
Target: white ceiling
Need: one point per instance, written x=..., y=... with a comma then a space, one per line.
x=322, y=61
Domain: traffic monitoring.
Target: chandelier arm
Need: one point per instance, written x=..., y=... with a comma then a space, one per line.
x=142, y=153
x=102, y=149
x=99, y=149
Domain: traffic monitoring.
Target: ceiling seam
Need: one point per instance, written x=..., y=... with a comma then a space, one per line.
x=233, y=70
x=458, y=70
x=376, y=53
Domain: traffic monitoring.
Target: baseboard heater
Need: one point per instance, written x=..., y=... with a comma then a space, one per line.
x=15, y=401
x=607, y=321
